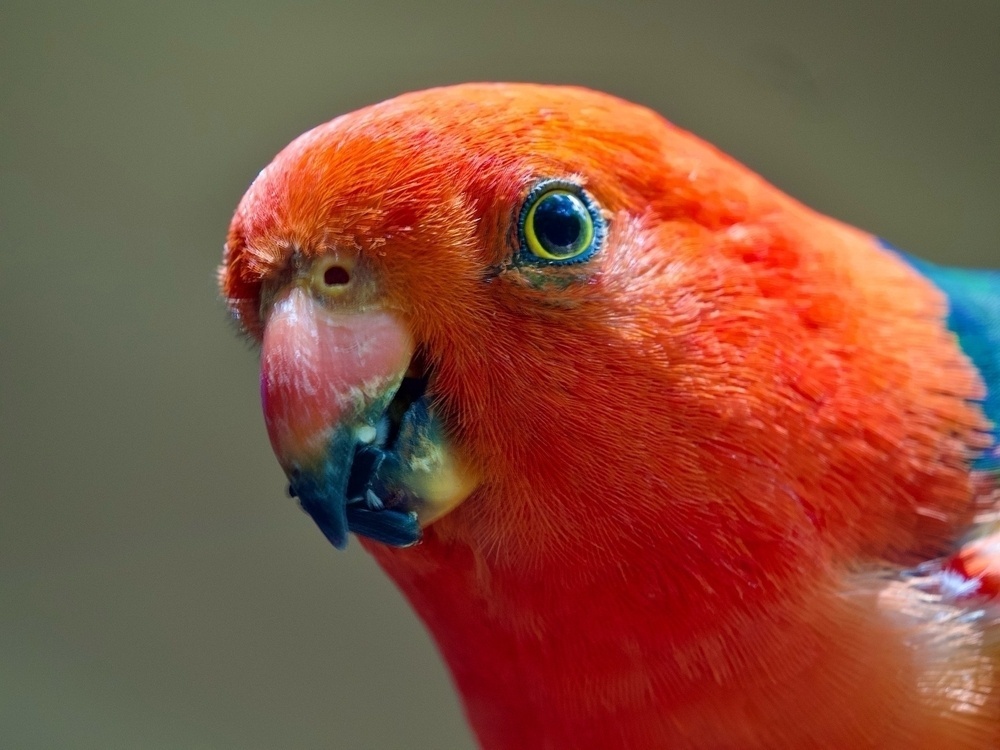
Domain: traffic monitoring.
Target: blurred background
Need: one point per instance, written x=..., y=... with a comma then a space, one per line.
x=157, y=588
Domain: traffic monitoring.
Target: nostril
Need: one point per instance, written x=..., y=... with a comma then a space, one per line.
x=332, y=275
x=336, y=276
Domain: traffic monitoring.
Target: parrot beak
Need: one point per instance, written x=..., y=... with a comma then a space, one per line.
x=350, y=422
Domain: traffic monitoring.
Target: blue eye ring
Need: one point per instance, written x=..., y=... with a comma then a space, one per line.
x=559, y=224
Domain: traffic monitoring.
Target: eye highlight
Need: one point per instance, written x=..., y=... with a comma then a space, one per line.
x=559, y=224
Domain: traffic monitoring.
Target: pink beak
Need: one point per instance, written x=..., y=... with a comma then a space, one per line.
x=327, y=376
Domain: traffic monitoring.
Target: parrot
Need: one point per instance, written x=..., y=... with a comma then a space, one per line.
x=660, y=456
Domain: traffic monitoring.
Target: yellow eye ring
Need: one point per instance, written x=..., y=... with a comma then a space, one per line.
x=559, y=224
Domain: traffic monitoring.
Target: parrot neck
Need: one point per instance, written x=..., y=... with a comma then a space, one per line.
x=550, y=660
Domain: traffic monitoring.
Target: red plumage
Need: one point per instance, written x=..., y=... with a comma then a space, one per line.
x=703, y=455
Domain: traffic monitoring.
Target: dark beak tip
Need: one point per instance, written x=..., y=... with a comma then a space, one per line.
x=334, y=529
x=339, y=542
x=361, y=488
x=327, y=513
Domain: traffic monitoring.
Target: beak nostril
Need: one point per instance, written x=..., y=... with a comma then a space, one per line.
x=336, y=276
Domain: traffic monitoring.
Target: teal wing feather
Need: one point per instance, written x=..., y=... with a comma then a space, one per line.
x=974, y=317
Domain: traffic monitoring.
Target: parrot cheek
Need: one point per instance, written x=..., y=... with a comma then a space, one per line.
x=362, y=449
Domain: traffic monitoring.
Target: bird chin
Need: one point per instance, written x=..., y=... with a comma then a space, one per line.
x=388, y=481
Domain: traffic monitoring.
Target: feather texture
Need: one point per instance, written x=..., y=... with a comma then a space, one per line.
x=708, y=454
x=974, y=316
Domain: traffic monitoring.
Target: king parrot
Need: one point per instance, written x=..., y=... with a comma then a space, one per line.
x=661, y=457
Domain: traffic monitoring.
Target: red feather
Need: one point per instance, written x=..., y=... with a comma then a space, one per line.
x=704, y=457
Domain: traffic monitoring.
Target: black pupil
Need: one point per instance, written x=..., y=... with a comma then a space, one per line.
x=558, y=223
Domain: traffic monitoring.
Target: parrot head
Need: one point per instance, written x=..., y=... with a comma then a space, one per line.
x=448, y=305
x=621, y=419
x=536, y=318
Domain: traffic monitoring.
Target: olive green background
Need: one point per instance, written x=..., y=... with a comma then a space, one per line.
x=157, y=589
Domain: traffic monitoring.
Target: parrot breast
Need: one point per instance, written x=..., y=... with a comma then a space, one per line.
x=688, y=462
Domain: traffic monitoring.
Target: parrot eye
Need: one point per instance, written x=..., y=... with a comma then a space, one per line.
x=559, y=224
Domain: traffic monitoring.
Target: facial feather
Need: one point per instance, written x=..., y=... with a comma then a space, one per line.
x=732, y=402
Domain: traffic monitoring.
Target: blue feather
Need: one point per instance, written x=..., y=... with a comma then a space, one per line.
x=974, y=317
